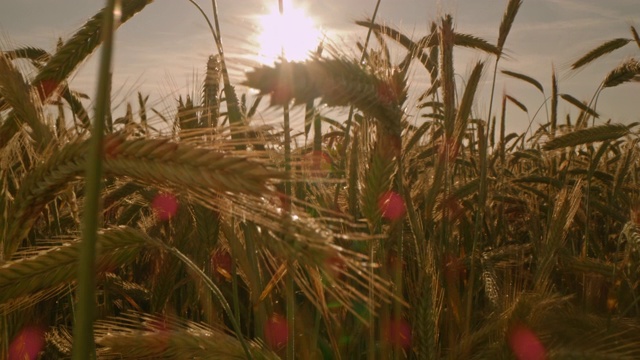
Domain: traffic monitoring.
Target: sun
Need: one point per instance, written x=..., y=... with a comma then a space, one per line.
x=292, y=34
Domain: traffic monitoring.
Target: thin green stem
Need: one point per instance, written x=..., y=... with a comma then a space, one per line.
x=84, y=346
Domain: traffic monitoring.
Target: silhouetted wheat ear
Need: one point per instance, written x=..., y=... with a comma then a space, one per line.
x=337, y=82
x=507, y=21
x=601, y=50
x=580, y=105
x=636, y=37
x=588, y=135
x=83, y=43
x=26, y=107
x=525, y=78
x=625, y=72
x=430, y=41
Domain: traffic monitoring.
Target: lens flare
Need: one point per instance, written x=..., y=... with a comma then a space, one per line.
x=292, y=34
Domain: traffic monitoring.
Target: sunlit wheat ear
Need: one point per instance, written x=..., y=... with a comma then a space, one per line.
x=627, y=71
x=601, y=50
x=210, y=92
x=295, y=236
x=56, y=267
x=138, y=336
x=150, y=161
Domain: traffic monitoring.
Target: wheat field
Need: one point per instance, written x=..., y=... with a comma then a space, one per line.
x=382, y=229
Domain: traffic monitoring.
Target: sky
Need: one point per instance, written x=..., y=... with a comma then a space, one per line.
x=163, y=50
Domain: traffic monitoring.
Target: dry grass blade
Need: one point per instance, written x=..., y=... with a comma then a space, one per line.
x=601, y=50
x=507, y=21
x=588, y=135
x=525, y=78
x=138, y=336
x=625, y=72
x=580, y=105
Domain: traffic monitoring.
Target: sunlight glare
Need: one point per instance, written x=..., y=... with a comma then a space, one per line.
x=293, y=33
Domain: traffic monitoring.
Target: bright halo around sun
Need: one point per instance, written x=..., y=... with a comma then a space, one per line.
x=292, y=34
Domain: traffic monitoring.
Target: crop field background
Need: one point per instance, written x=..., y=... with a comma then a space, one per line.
x=390, y=198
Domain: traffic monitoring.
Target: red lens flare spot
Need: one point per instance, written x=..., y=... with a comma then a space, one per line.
x=27, y=344
x=276, y=332
x=46, y=88
x=221, y=264
x=398, y=334
x=525, y=344
x=317, y=163
x=391, y=205
x=165, y=206
x=336, y=266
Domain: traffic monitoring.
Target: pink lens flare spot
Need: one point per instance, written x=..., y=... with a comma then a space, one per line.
x=165, y=206
x=27, y=344
x=276, y=332
x=398, y=334
x=391, y=205
x=525, y=344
